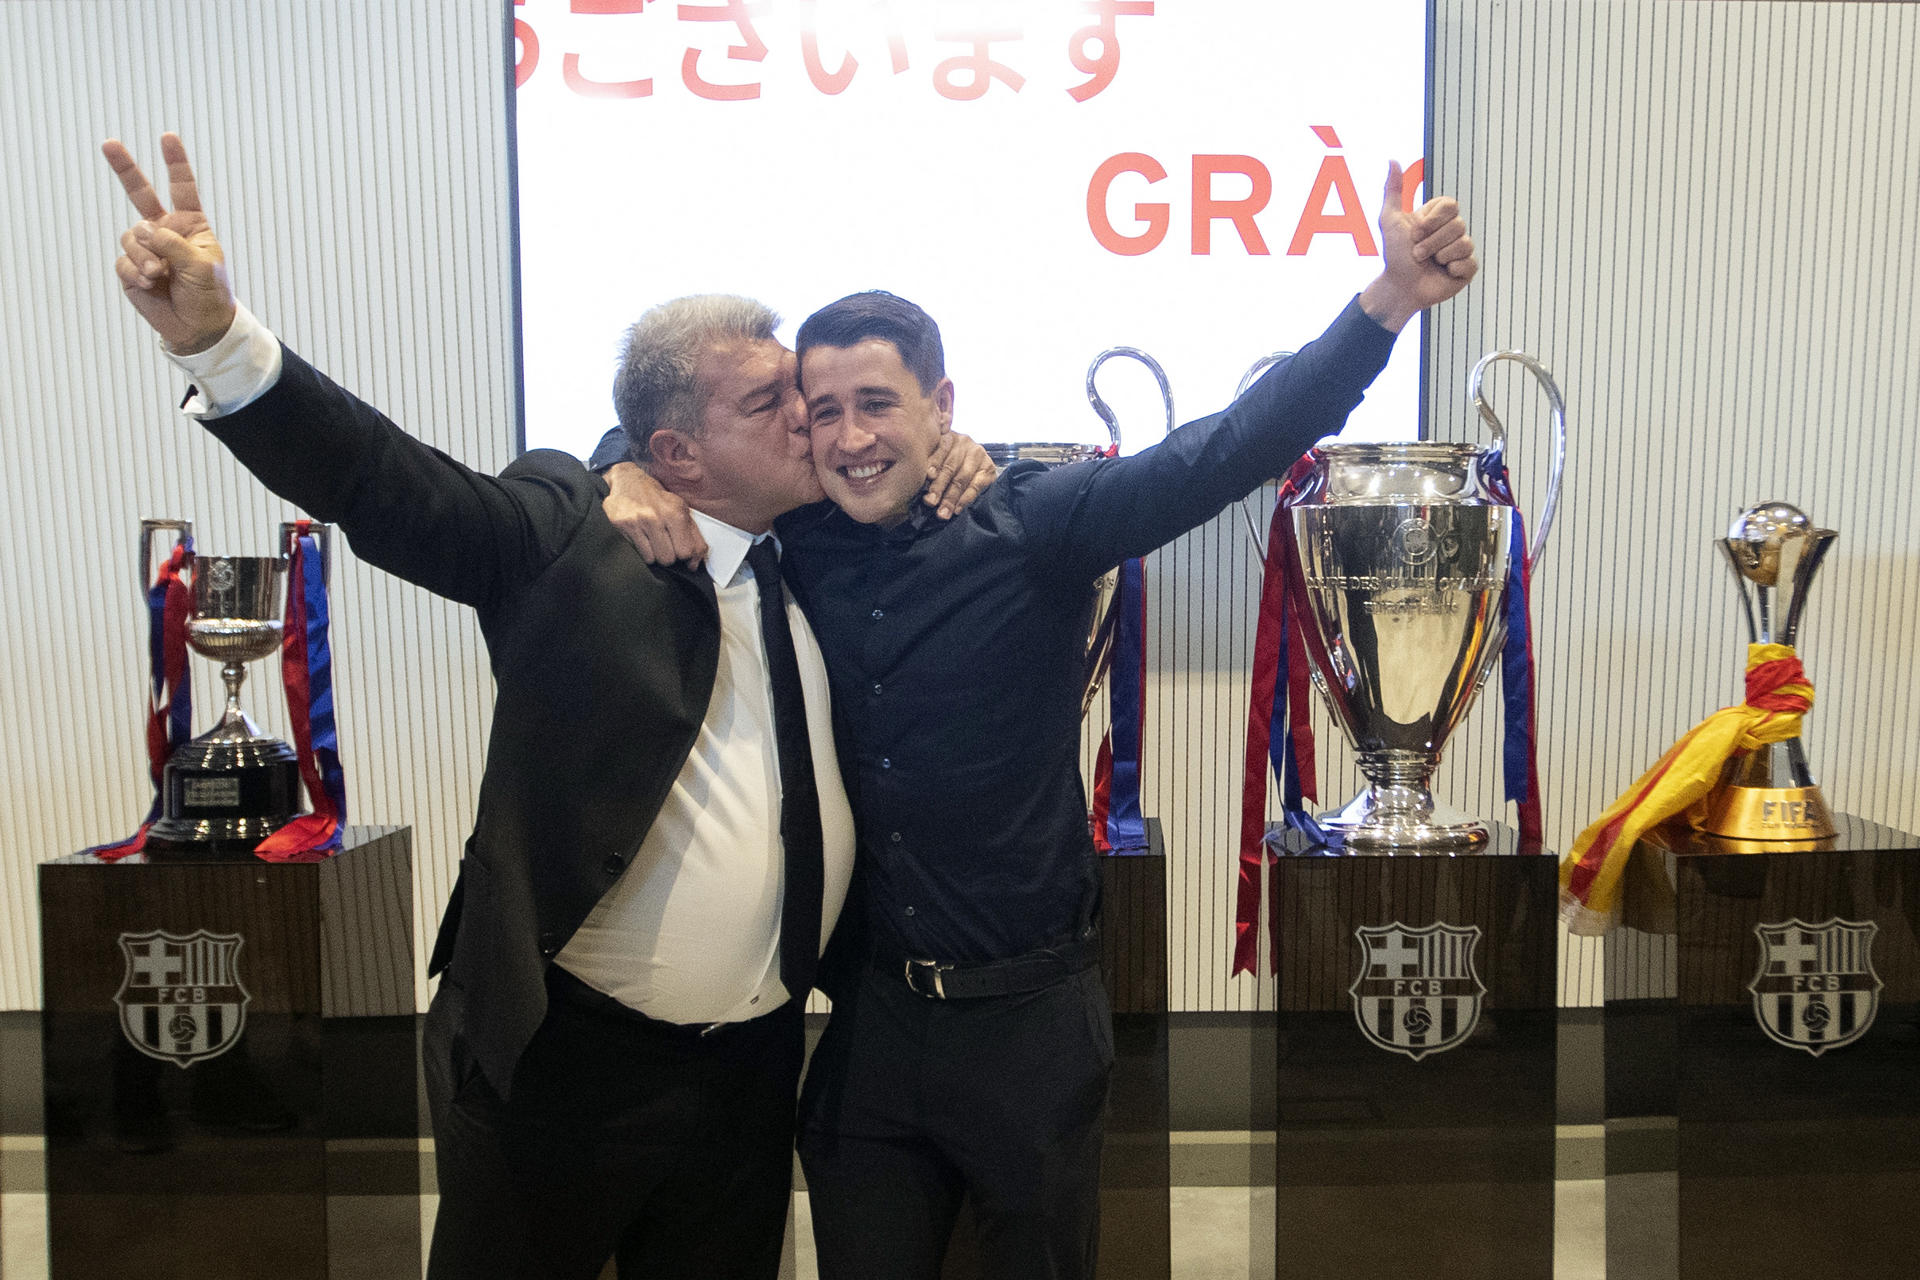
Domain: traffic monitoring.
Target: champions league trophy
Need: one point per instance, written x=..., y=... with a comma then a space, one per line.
x=229, y=788
x=1405, y=553
x=1769, y=793
x=1106, y=599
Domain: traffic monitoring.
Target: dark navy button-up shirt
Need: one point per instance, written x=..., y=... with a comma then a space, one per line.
x=956, y=654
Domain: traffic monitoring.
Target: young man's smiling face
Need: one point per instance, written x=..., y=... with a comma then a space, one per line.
x=874, y=427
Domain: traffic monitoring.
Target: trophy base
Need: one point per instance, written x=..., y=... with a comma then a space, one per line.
x=232, y=840
x=222, y=795
x=1404, y=818
x=1769, y=816
x=1385, y=835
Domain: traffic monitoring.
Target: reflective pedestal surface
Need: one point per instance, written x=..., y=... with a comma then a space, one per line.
x=1416, y=1061
x=230, y=1073
x=1763, y=1061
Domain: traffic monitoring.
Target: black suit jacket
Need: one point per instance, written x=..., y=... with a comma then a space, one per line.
x=603, y=665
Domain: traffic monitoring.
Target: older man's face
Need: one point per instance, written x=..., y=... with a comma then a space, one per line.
x=753, y=430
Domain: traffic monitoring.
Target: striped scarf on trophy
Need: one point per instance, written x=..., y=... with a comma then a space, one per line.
x=1778, y=696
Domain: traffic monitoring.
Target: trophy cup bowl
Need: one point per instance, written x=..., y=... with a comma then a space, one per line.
x=1767, y=798
x=1105, y=619
x=226, y=790
x=1405, y=553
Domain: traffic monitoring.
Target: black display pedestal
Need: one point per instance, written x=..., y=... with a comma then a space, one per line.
x=1136, y=1207
x=1788, y=1116
x=1415, y=1128
x=230, y=1066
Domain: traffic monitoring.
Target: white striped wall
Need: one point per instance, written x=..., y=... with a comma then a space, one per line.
x=1698, y=214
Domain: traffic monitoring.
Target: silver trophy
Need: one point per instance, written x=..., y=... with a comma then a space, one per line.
x=1769, y=794
x=1106, y=619
x=232, y=786
x=1405, y=550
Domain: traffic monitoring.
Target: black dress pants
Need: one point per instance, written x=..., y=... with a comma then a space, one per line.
x=623, y=1138
x=912, y=1103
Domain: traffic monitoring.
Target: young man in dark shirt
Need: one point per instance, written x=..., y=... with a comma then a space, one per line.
x=970, y=1042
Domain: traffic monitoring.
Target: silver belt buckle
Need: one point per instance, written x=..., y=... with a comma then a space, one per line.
x=934, y=967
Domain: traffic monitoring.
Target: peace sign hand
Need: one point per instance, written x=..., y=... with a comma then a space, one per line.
x=171, y=266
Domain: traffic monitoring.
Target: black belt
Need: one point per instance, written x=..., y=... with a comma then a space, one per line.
x=1034, y=971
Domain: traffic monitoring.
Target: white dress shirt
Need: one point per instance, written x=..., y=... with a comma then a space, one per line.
x=690, y=932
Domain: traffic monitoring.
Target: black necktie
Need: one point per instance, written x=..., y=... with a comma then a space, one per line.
x=799, y=798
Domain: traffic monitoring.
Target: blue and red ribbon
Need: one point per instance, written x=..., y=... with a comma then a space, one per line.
x=306, y=659
x=1279, y=729
x=1118, y=826
x=170, y=695
x=1520, y=759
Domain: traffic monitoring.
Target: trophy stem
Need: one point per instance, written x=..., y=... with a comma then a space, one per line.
x=235, y=724
x=233, y=674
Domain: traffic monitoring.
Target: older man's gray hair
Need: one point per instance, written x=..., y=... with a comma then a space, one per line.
x=655, y=389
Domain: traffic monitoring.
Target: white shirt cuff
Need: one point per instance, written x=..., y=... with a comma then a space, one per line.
x=233, y=372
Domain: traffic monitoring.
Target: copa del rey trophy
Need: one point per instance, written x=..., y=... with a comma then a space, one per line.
x=1406, y=574
x=234, y=792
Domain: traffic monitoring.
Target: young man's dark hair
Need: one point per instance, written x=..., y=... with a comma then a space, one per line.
x=879, y=314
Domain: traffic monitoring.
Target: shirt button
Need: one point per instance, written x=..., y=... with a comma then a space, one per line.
x=614, y=865
x=909, y=910
x=876, y=688
x=879, y=614
x=895, y=837
x=885, y=763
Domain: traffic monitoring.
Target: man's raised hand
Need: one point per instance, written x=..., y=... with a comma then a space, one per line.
x=1428, y=254
x=171, y=266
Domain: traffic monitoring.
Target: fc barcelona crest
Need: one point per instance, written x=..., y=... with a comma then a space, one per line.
x=1416, y=991
x=180, y=999
x=1816, y=988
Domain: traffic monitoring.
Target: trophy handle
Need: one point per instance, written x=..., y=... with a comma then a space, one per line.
x=323, y=538
x=1554, y=399
x=1106, y=591
x=1258, y=367
x=149, y=526
x=1100, y=406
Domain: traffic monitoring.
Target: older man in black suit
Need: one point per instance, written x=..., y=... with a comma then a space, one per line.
x=663, y=838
